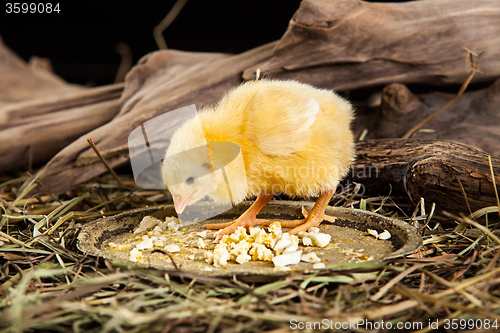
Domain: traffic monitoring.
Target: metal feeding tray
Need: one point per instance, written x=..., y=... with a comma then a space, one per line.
x=350, y=243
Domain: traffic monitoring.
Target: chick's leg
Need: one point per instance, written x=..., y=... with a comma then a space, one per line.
x=247, y=219
x=315, y=217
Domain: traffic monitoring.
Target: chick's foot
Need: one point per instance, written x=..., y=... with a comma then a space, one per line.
x=314, y=218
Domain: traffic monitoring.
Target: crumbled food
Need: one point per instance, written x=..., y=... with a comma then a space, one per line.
x=356, y=256
x=286, y=259
x=209, y=257
x=319, y=239
x=159, y=241
x=313, y=229
x=261, y=252
x=173, y=225
x=283, y=242
x=275, y=228
x=147, y=243
x=310, y=257
x=318, y=265
x=146, y=223
x=307, y=241
x=243, y=258
x=240, y=249
x=274, y=245
x=221, y=255
x=201, y=244
x=258, y=244
x=384, y=235
x=172, y=248
x=294, y=246
x=136, y=255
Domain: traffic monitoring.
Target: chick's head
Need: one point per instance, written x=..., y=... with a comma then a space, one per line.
x=187, y=168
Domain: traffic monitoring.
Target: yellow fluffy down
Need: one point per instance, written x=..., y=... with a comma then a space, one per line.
x=294, y=138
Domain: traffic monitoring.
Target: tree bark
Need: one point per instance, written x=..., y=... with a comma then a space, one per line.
x=431, y=169
x=349, y=44
x=473, y=119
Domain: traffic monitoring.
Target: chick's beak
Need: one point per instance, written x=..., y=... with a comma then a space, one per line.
x=180, y=203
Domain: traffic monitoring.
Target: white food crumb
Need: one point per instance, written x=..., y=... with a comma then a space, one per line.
x=313, y=229
x=294, y=246
x=172, y=248
x=202, y=233
x=158, y=229
x=275, y=228
x=319, y=239
x=201, y=243
x=136, y=255
x=243, y=258
x=310, y=257
x=146, y=223
x=256, y=231
x=209, y=257
x=239, y=235
x=385, y=235
x=239, y=252
x=289, y=258
x=221, y=255
x=191, y=257
x=159, y=241
x=208, y=269
x=282, y=242
x=261, y=252
x=307, y=241
x=147, y=243
x=318, y=265
x=173, y=225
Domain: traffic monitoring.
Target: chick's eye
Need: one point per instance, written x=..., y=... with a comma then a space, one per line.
x=190, y=180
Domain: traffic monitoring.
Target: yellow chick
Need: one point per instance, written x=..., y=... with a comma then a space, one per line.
x=294, y=139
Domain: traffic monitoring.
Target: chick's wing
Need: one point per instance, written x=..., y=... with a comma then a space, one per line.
x=280, y=127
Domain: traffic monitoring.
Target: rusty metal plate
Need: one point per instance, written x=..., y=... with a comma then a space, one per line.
x=350, y=240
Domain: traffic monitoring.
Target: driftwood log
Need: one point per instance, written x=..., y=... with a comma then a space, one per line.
x=474, y=119
x=431, y=169
x=32, y=132
x=40, y=114
x=348, y=44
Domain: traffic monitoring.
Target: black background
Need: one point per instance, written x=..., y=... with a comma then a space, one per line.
x=81, y=40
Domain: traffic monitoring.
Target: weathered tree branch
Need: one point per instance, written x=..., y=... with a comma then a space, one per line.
x=429, y=169
x=349, y=44
x=473, y=119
